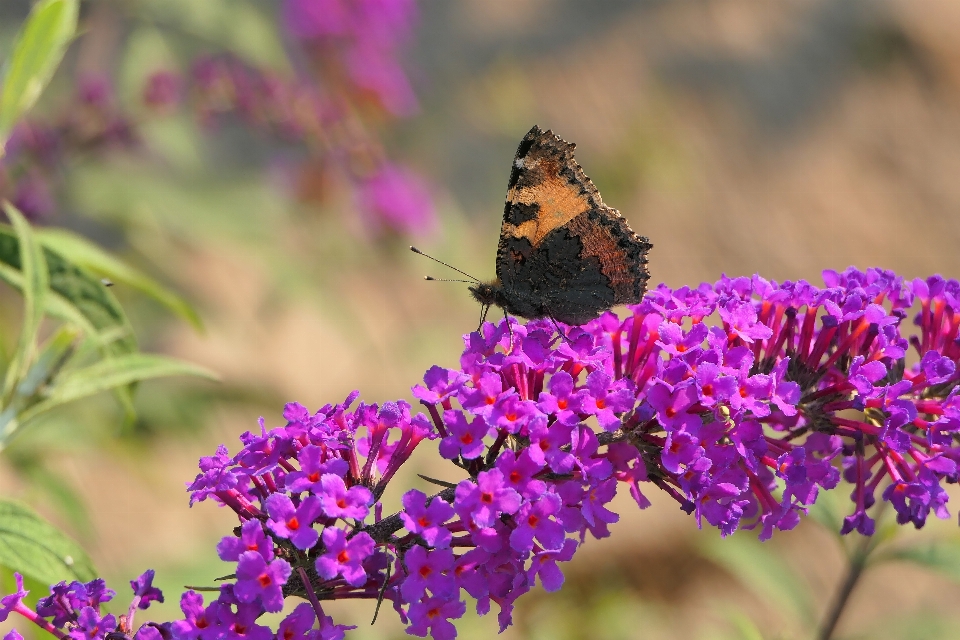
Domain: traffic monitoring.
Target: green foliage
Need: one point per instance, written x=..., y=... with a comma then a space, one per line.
x=79, y=297
x=37, y=381
x=109, y=374
x=35, y=548
x=87, y=255
x=36, y=54
x=36, y=283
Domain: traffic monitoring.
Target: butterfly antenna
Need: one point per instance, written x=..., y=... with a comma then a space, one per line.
x=450, y=266
x=432, y=279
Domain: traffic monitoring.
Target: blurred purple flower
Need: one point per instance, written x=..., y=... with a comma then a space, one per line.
x=396, y=199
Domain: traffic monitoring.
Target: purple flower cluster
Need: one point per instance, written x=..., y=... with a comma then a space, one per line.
x=349, y=78
x=73, y=611
x=742, y=400
x=31, y=168
x=365, y=35
x=389, y=197
x=304, y=493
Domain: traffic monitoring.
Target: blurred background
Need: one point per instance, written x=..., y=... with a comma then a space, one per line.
x=271, y=161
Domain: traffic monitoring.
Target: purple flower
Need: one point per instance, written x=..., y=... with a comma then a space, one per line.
x=91, y=626
x=440, y=383
x=241, y=625
x=12, y=601
x=428, y=570
x=257, y=579
x=544, y=564
x=251, y=538
x=937, y=368
x=344, y=556
x=95, y=90
x=396, y=199
x=594, y=510
x=426, y=521
x=674, y=341
x=743, y=424
x=294, y=523
x=144, y=590
x=215, y=476
x=465, y=437
x=860, y=522
x=339, y=502
x=741, y=318
x=308, y=19
x=314, y=463
x=66, y=599
x=535, y=520
x=671, y=404
x=33, y=197
x=162, y=89
x=561, y=400
x=487, y=392
x=298, y=625
x=513, y=414
x=605, y=398
x=518, y=472
x=680, y=450
x=433, y=616
x=547, y=446
x=196, y=618
x=714, y=386
x=483, y=502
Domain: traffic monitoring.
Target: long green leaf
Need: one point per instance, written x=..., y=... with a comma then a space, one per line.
x=110, y=374
x=84, y=253
x=47, y=364
x=56, y=305
x=34, y=547
x=80, y=289
x=37, y=53
x=36, y=283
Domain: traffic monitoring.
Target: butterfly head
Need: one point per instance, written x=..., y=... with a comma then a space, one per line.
x=489, y=294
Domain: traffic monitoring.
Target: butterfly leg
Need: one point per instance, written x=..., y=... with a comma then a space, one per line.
x=509, y=329
x=483, y=316
x=560, y=331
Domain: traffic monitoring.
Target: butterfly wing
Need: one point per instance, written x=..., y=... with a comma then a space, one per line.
x=563, y=253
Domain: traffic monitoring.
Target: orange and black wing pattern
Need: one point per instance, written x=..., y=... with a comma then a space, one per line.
x=563, y=253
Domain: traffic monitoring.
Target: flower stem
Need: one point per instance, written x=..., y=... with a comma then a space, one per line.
x=858, y=562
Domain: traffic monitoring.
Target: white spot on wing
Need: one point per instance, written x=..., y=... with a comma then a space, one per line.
x=518, y=163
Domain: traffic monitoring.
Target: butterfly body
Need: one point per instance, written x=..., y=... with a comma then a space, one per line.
x=563, y=253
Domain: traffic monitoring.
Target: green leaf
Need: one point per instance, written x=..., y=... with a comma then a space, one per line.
x=34, y=547
x=942, y=556
x=36, y=282
x=110, y=374
x=36, y=54
x=745, y=628
x=51, y=358
x=75, y=287
x=56, y=305
x=84, y=253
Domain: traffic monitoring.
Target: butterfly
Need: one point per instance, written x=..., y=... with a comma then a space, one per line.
x=563, y=253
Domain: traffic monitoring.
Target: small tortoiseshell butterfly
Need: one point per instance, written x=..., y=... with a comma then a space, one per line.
x=563, y=253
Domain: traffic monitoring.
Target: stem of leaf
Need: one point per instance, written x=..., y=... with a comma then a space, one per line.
x=858, y=562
